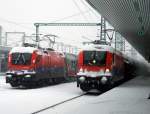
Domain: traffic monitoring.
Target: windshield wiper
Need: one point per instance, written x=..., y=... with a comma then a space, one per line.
x=23, y=59
x=16, y=60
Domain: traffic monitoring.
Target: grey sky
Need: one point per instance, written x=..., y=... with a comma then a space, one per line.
x=19, y=15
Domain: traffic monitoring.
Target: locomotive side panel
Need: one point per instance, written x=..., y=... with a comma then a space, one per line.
x=80, y=60
x=118, y=67
x=57, y=65
x=109, y=61
x=38, y=63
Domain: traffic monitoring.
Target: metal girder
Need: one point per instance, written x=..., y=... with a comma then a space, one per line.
x=23, y=37
x=37, y=25
x=67, y=24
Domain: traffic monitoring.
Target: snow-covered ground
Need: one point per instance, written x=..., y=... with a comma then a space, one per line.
x=26, y=101
x=129, y=98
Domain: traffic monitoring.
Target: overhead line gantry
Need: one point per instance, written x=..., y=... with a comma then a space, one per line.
x=37, y=25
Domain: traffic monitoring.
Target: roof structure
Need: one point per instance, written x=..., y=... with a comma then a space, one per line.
x=130, y=18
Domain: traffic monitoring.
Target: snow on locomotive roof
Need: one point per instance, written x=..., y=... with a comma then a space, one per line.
x=99, y=48
x=23, y=49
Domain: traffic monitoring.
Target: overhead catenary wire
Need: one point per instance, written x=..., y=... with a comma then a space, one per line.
x=91, y=9
x=14, y=23
x=80, y=10
x=61, y=19
x=29, y=28
x=71, y=16
x=33, y=29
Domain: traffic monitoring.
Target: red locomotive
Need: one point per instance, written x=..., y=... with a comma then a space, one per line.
x=30, y=66
x=100, y=67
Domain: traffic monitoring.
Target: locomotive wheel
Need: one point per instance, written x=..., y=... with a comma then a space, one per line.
x=108, y=86
x=54, y=80
x=14, y=84
x=29, y=85
x=41, y=83
x=84, y=87
x=100, y=88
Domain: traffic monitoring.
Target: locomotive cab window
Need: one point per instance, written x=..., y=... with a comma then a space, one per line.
x=97, y=58
x=21, y=58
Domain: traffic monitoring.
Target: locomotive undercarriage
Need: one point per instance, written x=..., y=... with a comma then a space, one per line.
x=100, y=83
x=24, y=80
x=32, y=80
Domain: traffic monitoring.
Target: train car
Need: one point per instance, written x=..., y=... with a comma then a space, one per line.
x=99, y=67
x=71, y=66
x=29, y=66
x=71, y=63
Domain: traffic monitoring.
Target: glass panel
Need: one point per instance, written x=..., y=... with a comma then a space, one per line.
x=94, y=58
x=21, y=58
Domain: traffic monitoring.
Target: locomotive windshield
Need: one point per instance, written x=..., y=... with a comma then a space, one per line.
x=94, y=58
x=21, y=58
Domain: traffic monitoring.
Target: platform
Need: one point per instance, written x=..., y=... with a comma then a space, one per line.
x=129, y=98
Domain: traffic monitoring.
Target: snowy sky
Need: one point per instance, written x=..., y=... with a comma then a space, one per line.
x=19, y=15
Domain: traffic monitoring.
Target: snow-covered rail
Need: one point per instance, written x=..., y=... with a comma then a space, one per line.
x=62, y=102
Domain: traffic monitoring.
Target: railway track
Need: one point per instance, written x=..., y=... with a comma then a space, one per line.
x=54, y=105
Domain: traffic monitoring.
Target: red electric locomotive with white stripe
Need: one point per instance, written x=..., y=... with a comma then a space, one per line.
x=99, y=67
x=30, y=66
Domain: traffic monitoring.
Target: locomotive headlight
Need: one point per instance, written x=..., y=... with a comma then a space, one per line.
x=33, y=61
x=28, y=76
x=94, y=61
x=104, y=80
x=107, y=70
x=82, y=79
x=81, y=70
x=9, y=76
